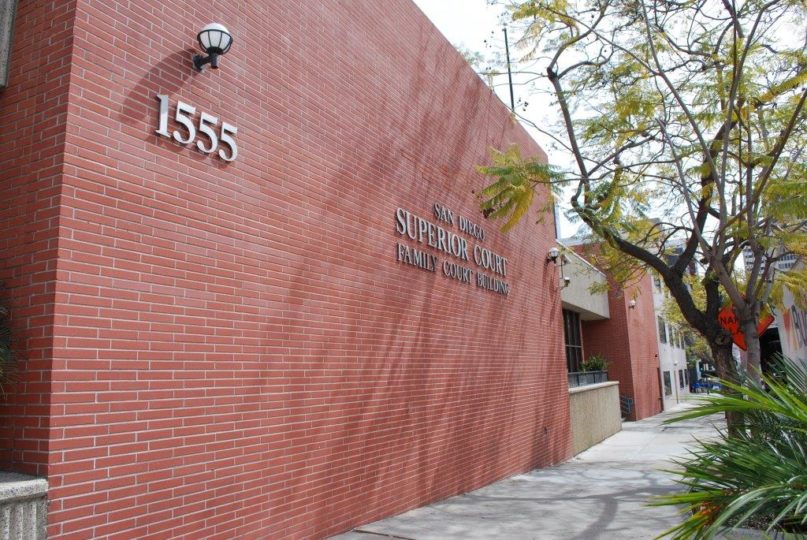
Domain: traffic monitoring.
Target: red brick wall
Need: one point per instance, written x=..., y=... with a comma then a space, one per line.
x=237, y=352
x=33, y=112
x=644, y=350
x=628, y=340
x=609, y=339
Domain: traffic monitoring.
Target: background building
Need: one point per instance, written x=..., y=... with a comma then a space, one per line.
x=675, y=375
x=594, y=400
x=618, y=325
x=792, y=324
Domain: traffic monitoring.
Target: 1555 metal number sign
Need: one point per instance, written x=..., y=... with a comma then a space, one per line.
x=207, y=126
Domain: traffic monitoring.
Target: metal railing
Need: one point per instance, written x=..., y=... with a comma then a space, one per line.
x=625, y=405
x=582, y=378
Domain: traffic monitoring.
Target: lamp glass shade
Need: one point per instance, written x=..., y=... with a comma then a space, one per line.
x=204, y=40
x=215, y=39
x=226, y=40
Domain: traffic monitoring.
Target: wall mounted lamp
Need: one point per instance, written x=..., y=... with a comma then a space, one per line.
x=554, y=256
x=632, y=304
x=214, y=40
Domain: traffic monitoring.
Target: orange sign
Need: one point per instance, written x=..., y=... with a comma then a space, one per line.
x=728, y=320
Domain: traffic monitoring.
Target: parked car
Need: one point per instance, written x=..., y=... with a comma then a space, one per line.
x=707, y=385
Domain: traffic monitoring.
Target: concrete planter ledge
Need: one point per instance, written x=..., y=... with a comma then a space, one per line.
x=594, y=414
x=595, y=386
x=23, y=506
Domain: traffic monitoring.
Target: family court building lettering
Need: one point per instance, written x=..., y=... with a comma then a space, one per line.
x=458, y=249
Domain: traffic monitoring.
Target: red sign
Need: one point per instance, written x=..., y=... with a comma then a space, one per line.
x=729, y=320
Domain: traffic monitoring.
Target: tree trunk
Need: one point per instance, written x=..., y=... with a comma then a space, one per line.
x=727, y=370
x=753, y=354
x=724, y=361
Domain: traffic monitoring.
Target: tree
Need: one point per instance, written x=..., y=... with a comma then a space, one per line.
x=685, y=123
x=696, y=346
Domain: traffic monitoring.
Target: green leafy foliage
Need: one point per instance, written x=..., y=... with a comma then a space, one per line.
x=595, y=362
x=685, y=127
x=757, y=477
x=512, y=194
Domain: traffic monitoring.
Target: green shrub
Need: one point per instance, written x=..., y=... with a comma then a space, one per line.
x=756, y=477
x=595, y=362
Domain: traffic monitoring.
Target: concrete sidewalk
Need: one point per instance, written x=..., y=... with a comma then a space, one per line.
x=599, y=494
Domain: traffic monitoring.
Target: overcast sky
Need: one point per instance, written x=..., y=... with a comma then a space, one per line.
x=463, y=22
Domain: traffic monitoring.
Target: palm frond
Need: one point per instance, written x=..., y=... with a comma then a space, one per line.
x=758, y=473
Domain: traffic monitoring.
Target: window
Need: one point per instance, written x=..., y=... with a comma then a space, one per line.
x=657, y=282
x=662, y=330
x=574, y=343
x=786, y=262
x=667, y=384
x=681, y=383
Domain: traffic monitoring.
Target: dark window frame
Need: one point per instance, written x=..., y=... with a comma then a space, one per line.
x=662, y=330
x=573, y=340
x=667, y=383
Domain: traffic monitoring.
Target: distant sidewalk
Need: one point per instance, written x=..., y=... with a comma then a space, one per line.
x=599, y=494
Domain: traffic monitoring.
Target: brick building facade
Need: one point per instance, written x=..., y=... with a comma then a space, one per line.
x=216, y=349
x=628, y=340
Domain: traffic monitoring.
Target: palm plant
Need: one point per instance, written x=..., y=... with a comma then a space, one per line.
x=757, y=475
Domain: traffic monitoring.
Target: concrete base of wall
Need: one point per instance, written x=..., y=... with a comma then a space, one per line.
x=23, y=507
x=594, y=413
